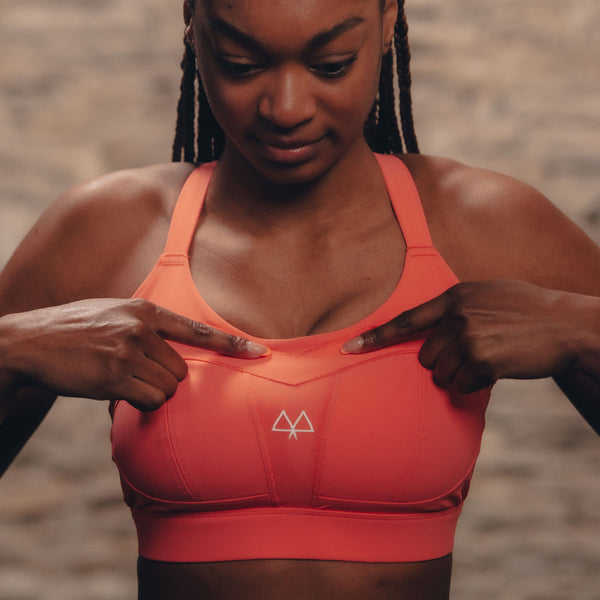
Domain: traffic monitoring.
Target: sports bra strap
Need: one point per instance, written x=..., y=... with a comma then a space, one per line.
x=187, y=210
x=400, y=184
x=406, y=201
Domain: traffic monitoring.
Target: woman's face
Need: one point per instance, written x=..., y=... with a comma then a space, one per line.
x=291, y=82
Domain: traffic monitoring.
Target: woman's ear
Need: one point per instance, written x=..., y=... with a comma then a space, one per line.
x=390, y=15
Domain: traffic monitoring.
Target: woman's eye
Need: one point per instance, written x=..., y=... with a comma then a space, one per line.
x=333, y=69
x=238, y=69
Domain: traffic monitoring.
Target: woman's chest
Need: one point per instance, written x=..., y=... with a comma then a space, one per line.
x=320, y=430
x=284, y=286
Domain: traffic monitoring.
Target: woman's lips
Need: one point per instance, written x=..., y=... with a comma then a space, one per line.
x=288, y=151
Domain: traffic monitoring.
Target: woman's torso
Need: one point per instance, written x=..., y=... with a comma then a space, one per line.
x=295, y=580
x=363, y=293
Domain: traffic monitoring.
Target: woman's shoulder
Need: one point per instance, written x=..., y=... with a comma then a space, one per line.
x=488, y=225
x=470, y=203
x=92, y=240
x=109, y=211
x=151, y=188
x=448, y=186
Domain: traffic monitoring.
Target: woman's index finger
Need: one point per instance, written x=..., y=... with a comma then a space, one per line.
x=178, y=328
x=408, y=323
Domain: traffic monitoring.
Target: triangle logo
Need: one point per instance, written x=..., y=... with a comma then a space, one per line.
x=301, y=425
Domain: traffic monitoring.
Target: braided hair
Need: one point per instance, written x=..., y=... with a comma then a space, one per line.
x=199, y=138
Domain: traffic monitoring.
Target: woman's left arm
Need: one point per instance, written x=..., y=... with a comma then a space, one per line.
x=529, y=304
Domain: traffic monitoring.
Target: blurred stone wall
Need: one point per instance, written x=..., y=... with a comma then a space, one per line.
x=90, y=86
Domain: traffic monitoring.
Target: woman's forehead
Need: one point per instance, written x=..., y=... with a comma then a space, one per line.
x=286, y=15
x=270, y=4
x=290, y=26
x=272, y=7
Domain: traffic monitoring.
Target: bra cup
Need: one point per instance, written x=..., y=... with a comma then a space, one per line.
x=199, y=447
x=210, y=414
x=375, y=428
x=141, y=448
x=450, y=444
x=395, y=440
x=378, y=434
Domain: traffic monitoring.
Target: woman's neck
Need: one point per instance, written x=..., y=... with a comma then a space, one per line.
x=240, y=194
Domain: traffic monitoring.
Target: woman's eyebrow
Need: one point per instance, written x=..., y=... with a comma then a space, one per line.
x=324, y=37
x=219, y=25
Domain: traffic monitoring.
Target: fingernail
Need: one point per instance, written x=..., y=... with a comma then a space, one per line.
x=256, y=350
x=353, y=346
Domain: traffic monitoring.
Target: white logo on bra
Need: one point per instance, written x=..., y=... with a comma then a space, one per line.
x=301, y=425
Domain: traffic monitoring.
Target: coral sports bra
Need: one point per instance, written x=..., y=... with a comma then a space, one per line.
x=307, y=453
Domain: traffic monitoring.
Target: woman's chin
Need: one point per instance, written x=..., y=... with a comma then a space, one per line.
x=286, y=169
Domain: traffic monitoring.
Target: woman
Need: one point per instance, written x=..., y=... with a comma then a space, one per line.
x=292, y=93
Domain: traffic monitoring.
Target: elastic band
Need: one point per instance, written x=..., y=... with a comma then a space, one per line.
x=247, y=534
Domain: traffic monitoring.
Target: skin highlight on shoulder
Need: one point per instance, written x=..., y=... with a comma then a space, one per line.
x=100, y=237
x=491, y=226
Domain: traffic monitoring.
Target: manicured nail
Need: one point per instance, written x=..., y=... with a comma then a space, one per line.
x=256, y=350
x=353, y=346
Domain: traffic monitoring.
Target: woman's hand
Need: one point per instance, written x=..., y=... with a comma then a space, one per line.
x=488, y=330
x=109, y=349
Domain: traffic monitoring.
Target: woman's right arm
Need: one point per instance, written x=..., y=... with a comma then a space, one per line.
x=67, y=325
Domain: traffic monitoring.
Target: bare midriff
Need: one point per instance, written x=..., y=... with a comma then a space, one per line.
x=294, y=580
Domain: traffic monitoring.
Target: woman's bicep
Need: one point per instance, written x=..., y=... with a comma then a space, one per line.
x=32, y=276
x=23, y=286
x=557, y=251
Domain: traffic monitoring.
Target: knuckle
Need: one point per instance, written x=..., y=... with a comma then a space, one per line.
x=137, y=330
x=440, y=380
x=426, y=357
x=122, y=355
x=402, y=321
x=477, y=353
x=372, y=339
x=180, y=370
x=154, y=401
x=140, y=305
x=170, y=387
x=457, y=323
x=235, y=344
x=458, y=294
x=200, y=330
x=477, y=376
x=145, y=310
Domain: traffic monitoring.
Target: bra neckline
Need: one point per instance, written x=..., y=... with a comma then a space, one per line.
x=345, y=333
x=397, y=179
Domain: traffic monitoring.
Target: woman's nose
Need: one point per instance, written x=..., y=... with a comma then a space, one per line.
x=287, y=100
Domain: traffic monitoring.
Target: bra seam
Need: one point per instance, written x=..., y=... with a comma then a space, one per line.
x=186, y=502
x=417, y=445
x=337, y=371
x=465, y=477
x=315, y=512
x=261, y=442
x=322, y=451
x=179, y=470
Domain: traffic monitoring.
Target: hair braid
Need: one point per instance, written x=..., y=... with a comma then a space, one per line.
x=201, y=138
x=388, y=134
x=405, y=81
x=184, y=130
